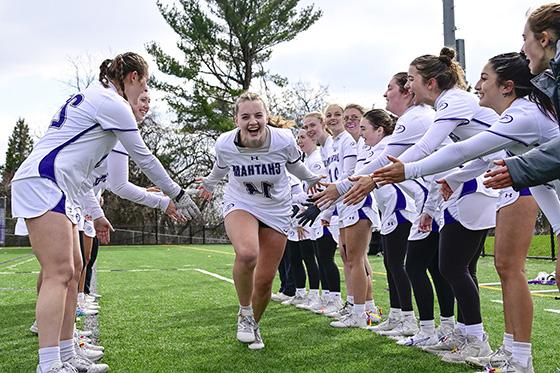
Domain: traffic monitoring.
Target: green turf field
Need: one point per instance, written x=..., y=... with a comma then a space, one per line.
x=159, y=313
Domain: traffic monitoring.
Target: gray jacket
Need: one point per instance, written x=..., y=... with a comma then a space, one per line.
x=541, y=164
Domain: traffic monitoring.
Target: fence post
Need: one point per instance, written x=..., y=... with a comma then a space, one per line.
x=204, y=234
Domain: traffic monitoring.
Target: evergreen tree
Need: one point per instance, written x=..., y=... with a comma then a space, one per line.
x=225, y=44
x=20, y=145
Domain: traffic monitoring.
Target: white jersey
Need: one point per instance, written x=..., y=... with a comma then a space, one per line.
x=345, y=153
x=258, y=178
x=330, y=159
x=81, y=136
x=314, y=162
x=364, y=153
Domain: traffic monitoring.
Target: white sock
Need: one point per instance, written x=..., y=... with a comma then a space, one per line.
x=313, y=292
x=335, y=294
x=395, y=313
x=49, y=356
x=359, y=309
x=246, y=310
x=370, y=305
x=508, y=342
x=326, y=294
x=81, y=297
x=476, y=330
x=428, y=326
x=407, y=315
x=521, y=353
x=300, y=292
x=350, y=299
x=450, y=321
x=67, y=351
x=461, y=327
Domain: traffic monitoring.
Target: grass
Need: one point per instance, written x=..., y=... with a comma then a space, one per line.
x=161, y=315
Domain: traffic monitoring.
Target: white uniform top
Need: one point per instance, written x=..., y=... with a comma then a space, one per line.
x=345, y=155
x=82, y=134
x=314, y=162
x=409, y=129
x=520, y=128
x=329, y=159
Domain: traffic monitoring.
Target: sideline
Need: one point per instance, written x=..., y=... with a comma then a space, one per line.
x=214, y=275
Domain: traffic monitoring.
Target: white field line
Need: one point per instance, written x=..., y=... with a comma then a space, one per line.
x=22, y=262
x=19, y=273
x=552, y=310
x=491, y=284
x=497, y=301
x=544, y=291
x=214, y=275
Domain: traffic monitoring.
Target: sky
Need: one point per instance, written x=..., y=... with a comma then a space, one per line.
x=353, y=49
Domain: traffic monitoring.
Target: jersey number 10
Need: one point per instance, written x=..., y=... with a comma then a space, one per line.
x=266, y=187
x=73, y=101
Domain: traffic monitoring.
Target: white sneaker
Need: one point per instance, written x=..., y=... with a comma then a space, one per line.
x=90, y=298
x=84, y=365
x=33, y=328
x=294, y=301
x=82, y=333
x=449, y=342
x=95, y=295
x=444, y=329
x=333, y=305
x=89, y=346
x=345, y=310
x=245, y=328
x=473, y=348
x=419, y=339
x=279, y=297
x=311, y=299
x=494, y=360
x=351, y=321
x=388, y=324
x=512, y=366
x=373, y=317
x=80, y=311
x=58, y=368
x=406, y=328
x=258, y=343
x=320, y=305
x=88, y=354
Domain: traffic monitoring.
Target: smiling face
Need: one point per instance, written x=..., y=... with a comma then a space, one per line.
x=418, y=87
x=142, y=106
x=333, y=119
x=251, y=119
x=352, y=117
x=314, y=127
x=535, y=50
x=371, y=133
x=488, y=89
x=305, y=143
x=134, y=85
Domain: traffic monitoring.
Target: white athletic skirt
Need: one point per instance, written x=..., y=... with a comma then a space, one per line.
x=278, y=223
x=508, y=196
x=349, y=215
x=35, y=196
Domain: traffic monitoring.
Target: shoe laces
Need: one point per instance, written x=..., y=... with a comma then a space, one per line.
x=247, y=322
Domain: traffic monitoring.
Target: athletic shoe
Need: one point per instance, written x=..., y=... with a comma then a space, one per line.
x=443, y=330
x=33, y=328
x=86, y=366
x=258, y=343
x=279, y=297
x=320, y=305
x=82, y=333
x=95, y=295
x=388, y=324
x=294, y=301
x=311, y=299
x=510, y=366
x=494, y=360
x=58, y=368
x=473, y=348
x=419, y=339
x=80, y=312
x=406, y=328
x=450, y=342
x=88, y=354
x=90, y=298
x=82, y=343
x=345, y=310
x=373, y=317
x=333, y=305
x=351, y=321
x=245, y=328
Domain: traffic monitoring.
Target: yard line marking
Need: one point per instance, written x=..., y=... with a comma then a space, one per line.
x=491, y=284
x=497, y=301
x=19, y=273
x=544, y=291
x=214, y=275
x=16, y=258
x=23, y=262
x=551, y=310
x=210, y=251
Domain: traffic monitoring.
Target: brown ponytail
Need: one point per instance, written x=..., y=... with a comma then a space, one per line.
x=119, y=67
x=443, y=68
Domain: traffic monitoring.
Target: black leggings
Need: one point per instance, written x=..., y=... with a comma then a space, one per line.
x=422, y=255
x=394, y=248
x=304, y=251
x=328, y=270
x=92, y=259
x=458, y=255
x=287, y=283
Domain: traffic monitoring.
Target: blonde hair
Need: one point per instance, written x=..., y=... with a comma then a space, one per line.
x=320, y=117
x=248, y=96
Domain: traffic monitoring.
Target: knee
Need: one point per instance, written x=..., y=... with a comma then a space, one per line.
x=63, y=273
x=505, y=268
x=247, y=258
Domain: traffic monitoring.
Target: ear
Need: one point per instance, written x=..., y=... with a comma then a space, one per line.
x=431, y=83
x=508, y=87
x=546, y=39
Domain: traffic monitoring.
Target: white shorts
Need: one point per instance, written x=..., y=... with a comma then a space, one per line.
x=349, y=215
x=508, y=196
x=36, y=196
x=21, y=228
x=278, y=223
